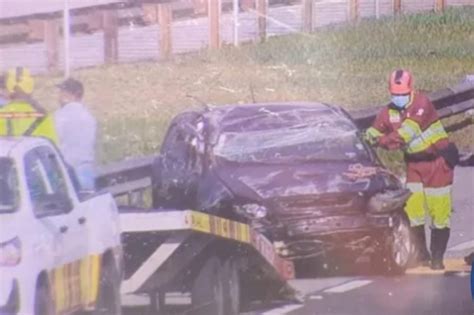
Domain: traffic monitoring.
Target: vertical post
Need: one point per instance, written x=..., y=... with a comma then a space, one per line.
x=308, y=16
x=235, y=11
x=261, y=7
x=354, y=10
x=214, y=9
x=440, y=5
x=165, y=20
x=51, y=39
x=397, y=7
x=67, y=38
x=111, y=24
x=377, y=9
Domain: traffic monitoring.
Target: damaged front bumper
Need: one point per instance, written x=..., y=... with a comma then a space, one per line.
x=317, y=236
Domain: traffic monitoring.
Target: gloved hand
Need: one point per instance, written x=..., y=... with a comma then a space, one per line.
x=389, y=143
x=371, y=140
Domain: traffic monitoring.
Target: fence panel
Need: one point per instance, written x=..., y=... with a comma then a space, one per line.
x=417, y=6
x=85, y=50
x=284, y=20
x=330, y=12
x=459, y=2
x=32, y=56
x=190, y=35
x=139, y=43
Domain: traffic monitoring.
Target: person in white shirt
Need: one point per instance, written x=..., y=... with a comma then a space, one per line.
x=77, y=130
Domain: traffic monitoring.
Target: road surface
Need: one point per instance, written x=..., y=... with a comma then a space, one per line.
x=354, y=292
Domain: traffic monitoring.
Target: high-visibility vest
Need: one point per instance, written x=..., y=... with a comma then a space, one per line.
x=19, y=117
x=419, y=126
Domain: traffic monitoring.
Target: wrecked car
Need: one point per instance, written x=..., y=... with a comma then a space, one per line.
x=298, y=172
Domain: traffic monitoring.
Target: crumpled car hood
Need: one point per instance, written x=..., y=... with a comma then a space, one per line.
x=267, y=181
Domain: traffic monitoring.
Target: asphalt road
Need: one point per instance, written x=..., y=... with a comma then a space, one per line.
x=420, y=291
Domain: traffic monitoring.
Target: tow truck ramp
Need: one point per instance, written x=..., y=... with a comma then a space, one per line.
x=189, y=251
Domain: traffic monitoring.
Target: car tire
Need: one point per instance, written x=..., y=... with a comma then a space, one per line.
x=207, y=292
x=43, y=300
x=394, y=256
x=231, y=282
x=108, y=299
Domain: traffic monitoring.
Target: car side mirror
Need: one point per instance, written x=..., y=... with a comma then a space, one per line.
x=190, y=129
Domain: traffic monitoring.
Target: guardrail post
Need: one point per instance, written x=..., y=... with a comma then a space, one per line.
x=440, y=5
x=165, y=19
x=214, y=16
x=397, y=7
x=354, y=10
x=307, y=15
x=262, y=8
x=110, y=23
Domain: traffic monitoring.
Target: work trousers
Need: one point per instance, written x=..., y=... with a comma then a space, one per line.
x=430, y=183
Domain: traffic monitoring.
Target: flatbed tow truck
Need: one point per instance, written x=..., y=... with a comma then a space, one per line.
x=219, y=261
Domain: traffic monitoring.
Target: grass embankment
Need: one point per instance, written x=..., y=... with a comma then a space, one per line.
x=345, y=65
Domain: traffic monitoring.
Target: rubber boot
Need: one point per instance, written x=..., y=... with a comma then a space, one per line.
x=422, y=256
x=439, y=242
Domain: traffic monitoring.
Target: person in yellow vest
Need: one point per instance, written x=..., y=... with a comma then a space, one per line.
x=23, y=116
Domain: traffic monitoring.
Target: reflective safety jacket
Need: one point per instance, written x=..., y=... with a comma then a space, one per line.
x=19, y=117
x=417, y=128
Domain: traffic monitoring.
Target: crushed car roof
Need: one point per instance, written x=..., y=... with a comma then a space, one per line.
x=260, y=115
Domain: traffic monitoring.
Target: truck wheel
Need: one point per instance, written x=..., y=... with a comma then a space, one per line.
x=108, y=300
x=43, y=301
x=231, y=282
x=395, y=254
x=207, y=293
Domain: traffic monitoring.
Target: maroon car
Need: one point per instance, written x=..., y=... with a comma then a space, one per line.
x=298, y=172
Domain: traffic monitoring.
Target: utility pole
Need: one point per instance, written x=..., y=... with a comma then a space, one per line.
x=66, y=38
x=235, y=4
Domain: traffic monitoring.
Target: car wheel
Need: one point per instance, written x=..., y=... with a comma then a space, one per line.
x=231, y=282
x=108, y=300
x=43, y=301
x=207, y=293
x=395, y=253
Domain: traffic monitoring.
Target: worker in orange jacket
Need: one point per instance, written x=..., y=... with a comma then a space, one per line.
x=410, y=122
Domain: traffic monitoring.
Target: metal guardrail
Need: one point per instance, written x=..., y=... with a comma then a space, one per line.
x=134, y=175
x=448, y=102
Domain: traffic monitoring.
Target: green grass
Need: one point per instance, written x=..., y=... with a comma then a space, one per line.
x=346, y=65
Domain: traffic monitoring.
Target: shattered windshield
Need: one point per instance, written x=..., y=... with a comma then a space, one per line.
x=8, y=186
x=279, y=137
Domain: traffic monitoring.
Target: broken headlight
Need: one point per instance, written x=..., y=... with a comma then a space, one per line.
x=389, y=201
x=252, y=211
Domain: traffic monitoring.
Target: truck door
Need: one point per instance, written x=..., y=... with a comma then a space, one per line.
x=54, y=208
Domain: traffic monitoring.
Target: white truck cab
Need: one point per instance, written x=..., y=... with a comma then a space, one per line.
x=60, y=252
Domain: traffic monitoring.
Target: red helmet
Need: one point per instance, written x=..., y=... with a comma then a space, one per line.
x=400, y=82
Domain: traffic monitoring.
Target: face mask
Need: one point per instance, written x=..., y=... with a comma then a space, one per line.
x=400, y=101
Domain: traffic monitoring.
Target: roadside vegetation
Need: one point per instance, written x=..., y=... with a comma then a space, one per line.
x=346, y=65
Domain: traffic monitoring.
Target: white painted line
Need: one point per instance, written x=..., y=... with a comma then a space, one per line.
x=316, y=297
x=155, y=261
x=463, y=274
x=348, y=286
x=283, y=310
x=462, y=246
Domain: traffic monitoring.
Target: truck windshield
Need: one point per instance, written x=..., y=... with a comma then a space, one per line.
x=8, y=186
x=331, y=140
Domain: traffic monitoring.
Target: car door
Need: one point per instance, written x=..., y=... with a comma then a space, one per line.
x=53, y=208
